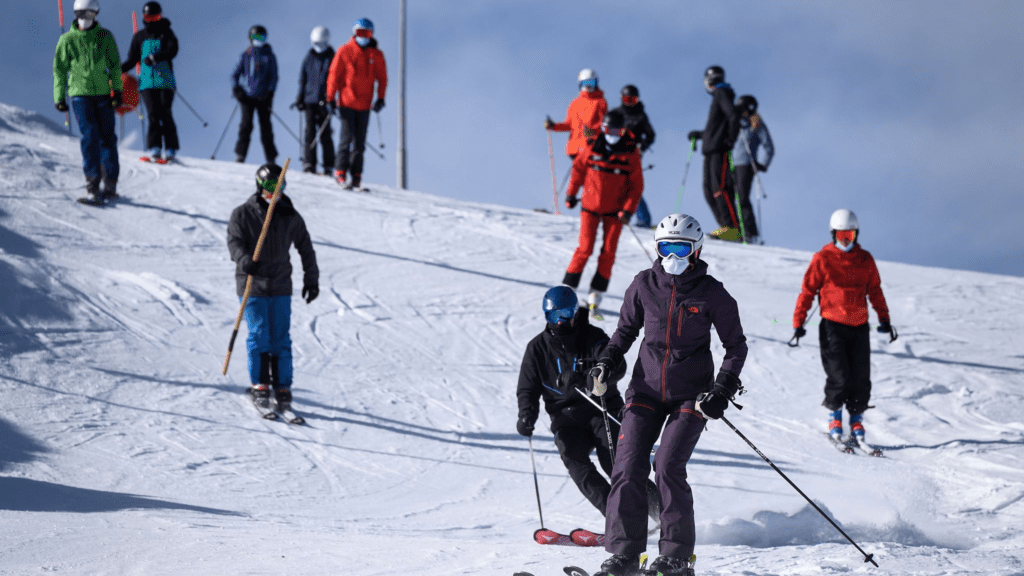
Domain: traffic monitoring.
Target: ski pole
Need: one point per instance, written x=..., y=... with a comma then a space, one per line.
x=598, y=406
x=736, y=193
x=795, y=340
x=608, y=429
x=224, y=133
x=256, y=258
x=320, y=131
x=640, y=243
x=135, y=29
x=536, y=485
x=679, y=202
x=374, y=150
x=867, y=557
x=380, y=132
x=285, y=124
x=193, y=110
x=760, y=185
x=551, y=155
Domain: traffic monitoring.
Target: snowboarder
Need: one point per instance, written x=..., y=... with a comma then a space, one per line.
x=356, y=66
x=612, y=178
x=638, y=123
x=312, y=100
x=154, y=47
x=87, y=54
x=753, y=135
x=583, y=118
x=719, y=136
x=672, y=393
x=843, y=276
x=268, y=311
x=257, y=69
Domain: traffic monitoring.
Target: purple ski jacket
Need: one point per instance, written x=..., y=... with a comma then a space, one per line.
x=677, y=313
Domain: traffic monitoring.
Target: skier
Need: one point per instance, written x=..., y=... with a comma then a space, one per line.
x=154, y=47
x=583, y=118
x=672, y=393
x=257, y=68
x=88, y=55
x=268, y=311
x=843, y=276
x=312, y=99
x=356, y=66
x=753, y=135
x=638, y=123
x=610, y=173
x=719, y=136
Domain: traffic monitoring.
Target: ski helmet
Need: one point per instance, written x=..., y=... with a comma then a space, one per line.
x=747, y=103
x=258, y=33
x=613, y=125
x=630, y=95
x=320, y=38
x=713, y=76
x=843, y=219
x=560, y=305
x=266, y=179
x=82, y=5
x=363, y=24
x=680, y=239
x=152, y=9
x=587, y=79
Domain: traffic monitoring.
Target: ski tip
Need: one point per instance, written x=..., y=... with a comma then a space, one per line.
x=575, y=571
x=270, y=415
x=522, y=574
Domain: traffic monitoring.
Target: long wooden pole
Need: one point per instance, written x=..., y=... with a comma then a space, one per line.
x=255, y=258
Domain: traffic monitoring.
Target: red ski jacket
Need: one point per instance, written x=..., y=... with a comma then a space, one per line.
x=582, y=120
x=842, y=281
x=612, y=176
x=353, y=71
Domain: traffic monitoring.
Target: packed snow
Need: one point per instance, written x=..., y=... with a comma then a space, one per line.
x=123, y=450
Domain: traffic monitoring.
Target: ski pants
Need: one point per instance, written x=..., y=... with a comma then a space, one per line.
x=268, y=319
x=744, y=178
x=316, y=115
x=718, y=188
x=575, y=443
x=161, y=130
x=846, y=357
x=643, y=215
x=353, y=135
x=95, y=119
x=262, y=109
x=626, y=518
x=588, y=237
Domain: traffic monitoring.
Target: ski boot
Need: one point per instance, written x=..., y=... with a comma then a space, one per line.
x=109, y=190
x=354, y=183
x=169, y=157
x=669, y=566
x=857, y=428
x=283, y=398
x=593, y=301
x=620, y=565
x=339, y=177
x=835, y=425
x=152, y=156
x=260, y=394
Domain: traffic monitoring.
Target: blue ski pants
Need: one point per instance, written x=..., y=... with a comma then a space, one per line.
x=99, y=140
x=268, y=319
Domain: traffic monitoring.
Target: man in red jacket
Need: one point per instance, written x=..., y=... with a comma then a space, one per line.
x=356, y=66
x=583, y=118
x=610, y=172
x=844, y=277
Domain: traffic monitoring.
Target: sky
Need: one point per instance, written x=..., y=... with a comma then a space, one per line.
x=905, y=113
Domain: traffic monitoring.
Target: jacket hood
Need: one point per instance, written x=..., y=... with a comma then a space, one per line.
x=161, y=25
x=596, y=94
x=284, y=204
x=372, y=43
x=325, y=55
x=258, y=49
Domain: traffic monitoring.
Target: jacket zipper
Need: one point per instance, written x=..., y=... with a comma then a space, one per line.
x=679, y=329
x=668, y=347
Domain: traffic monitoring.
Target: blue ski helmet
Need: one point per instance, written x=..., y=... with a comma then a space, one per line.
x=560, y=305
x=363, y=24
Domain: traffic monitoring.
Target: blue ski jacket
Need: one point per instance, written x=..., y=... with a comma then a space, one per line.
x=755, y=132
x=256, y=72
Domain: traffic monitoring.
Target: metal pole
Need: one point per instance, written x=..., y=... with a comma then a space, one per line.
x=536, y=485
x=640, y=243
x=285, y=124
x=224, y=133
x=403, y=177
x=554, y=184
x=196, y=114
x=679, y=202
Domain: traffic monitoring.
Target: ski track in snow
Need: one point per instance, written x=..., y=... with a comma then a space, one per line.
x=125, y=451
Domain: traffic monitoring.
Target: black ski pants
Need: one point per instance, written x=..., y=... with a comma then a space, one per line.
x=744, y=177
x=846, y=357
x=718, y=189
x=353, y=136
x=575, y=443
x=161, y=130
x=262, y=108
x=315, y=117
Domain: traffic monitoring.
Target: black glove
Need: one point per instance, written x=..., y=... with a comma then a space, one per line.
x=760, y=167
x=250, y=267
x=549, y=123
x=150, y=60
x=571, y=202
x=713, y=404
x=524, y=428
x=239, y=93
x=310, y=292
x=799, y=333
x=624, y=216
x=300, y=105
x=885, y=328
x=62, y=106
x=695, y=135
x=378, y=104
x=115, y=99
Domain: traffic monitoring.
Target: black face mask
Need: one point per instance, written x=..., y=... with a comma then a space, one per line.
x=563, y=329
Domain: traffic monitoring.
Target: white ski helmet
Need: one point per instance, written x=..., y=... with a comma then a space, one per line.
x=320, y=35
x=93, y=5
x=843, y=219
x=680, y=227
x=587, y=77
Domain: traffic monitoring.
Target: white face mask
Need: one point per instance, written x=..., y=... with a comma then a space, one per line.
x=258, y=43
x=319, y=48
x=846, y=248
x=613, y=140
x=85, y=23
x=362, y=41
x=675, y=266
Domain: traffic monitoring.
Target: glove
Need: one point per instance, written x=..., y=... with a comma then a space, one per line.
x=599, y=374
x=884, y=327
x=150, y=60
x=378, y=104
x=524, y=428
x=549, y=123
x=250, y=267
x=799, y=333
x=310, y=292
x=239, y=93
x=695, y=135
x=624, y=216
x=712, y=405
x=62, y=106
x=571, y=202
x=115, y=99
x=760, y=167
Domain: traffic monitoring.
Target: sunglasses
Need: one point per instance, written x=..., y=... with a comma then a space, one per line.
x=560, y=315
x=676, y=248
x=364, y=33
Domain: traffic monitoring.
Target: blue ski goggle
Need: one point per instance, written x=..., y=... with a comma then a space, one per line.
x=680, y=249
x=559, y=315
x=258, y=37
x=590, y=84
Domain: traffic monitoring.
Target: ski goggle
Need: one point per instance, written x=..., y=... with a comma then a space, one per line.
x=152, y=18
x=846, y=236
x=630, y=100
x=676, y=248
x=269, y=186
x=258, y=37
x=364, y=32
x=559, y=315
x=613, y=131
x=589, y=84
x=86, y=14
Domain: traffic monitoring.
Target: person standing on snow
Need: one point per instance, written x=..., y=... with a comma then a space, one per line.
x=637, y=122
x=555, y=367
x=87, y=68
x=154, y=47
x=672, y=393
x=312, y=99
x=719, y=137
x=583, y=118
x=268, y=311
x=843, y=276
x=609, y=171
x=753, y=135
x=257, y=68
x=356, y=66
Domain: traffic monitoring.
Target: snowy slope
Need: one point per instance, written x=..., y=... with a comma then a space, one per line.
x=124, y=451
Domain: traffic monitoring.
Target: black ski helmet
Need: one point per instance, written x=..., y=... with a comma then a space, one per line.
x=630, y=90
x=712, y=76
x=152, y=9
x=614, y=119
x=257, y=29
x=747, y=103
x=267, y=173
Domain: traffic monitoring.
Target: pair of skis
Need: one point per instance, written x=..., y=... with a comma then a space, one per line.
x=171, y=160
x=267, y=413
x=851, y=446
x=578, y=537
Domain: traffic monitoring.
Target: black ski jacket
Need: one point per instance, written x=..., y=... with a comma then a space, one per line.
x=313, y=76
x=553, y=365
x=638, y=123
x=167, y=48
x=723, y=126
x=274, y=277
